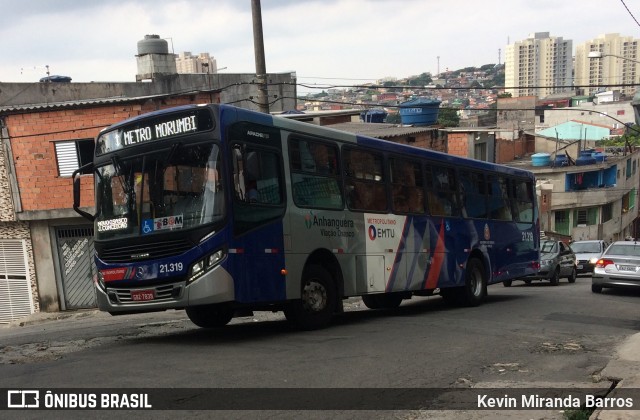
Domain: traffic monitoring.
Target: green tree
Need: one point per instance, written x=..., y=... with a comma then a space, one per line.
x=422, y=80
x=448, y=117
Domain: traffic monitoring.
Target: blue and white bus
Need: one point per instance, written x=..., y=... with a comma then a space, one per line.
x=219, y=210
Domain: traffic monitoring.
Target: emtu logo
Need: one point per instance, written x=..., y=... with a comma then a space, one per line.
x=373, y=233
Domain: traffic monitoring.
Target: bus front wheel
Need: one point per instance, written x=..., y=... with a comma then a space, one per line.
x=382, y=300
x=210, y=316
x=318, y=300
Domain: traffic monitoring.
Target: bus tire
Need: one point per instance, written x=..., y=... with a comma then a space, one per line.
x=318, y=300
x=210, y=316
x=475, y=283
x=382, y=300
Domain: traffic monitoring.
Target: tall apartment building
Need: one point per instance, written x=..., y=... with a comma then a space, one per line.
x=186, y=63
x=540, y=65
x=618, y=63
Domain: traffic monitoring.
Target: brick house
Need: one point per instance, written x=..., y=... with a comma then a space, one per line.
x=46, y=256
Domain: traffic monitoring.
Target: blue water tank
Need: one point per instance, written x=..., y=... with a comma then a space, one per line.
x=540, y=159
x=373, y=116
x=561, y=160
x=419, y=111
x=585, y=159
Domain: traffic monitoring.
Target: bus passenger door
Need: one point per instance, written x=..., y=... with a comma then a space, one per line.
x=256, y=252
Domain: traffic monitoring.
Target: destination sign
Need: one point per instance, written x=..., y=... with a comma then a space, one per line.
x=154, y=129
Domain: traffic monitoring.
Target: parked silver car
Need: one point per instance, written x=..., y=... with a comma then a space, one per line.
x=556, y=260
x=587, y=254
x=619, y=266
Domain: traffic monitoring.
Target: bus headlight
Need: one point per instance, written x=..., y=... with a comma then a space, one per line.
x=205, y=264
x=100, y=280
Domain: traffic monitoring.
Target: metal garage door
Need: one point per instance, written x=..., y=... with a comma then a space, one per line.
x=75, y=251
x=16, y=299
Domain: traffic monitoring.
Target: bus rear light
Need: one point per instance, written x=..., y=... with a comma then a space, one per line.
x=602, y=263
x=535, y=265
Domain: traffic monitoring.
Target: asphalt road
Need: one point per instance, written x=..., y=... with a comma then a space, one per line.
x=536, y=336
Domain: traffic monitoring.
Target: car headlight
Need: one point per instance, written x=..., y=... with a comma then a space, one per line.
x=205, y=264
x=545, y=262
x=593, y=260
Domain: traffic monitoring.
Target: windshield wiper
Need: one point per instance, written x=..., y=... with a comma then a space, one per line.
x=124, y=183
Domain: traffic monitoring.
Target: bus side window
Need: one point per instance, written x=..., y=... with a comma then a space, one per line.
x=473, y=194
x=364, y=180
x=521, y=195
x=442, y=191
x=406, y=186
x=314, y=174
x=499, y=203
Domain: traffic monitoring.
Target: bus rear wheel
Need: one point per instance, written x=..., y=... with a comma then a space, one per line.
x=318, y=300
x=210, y=316
x=475, y=283
x=382, y=300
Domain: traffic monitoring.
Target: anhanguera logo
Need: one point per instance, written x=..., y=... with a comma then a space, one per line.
x=308, y=220
x=311, y=220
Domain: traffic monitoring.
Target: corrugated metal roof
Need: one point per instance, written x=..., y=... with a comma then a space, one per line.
x=380, y=130
x=74, y=104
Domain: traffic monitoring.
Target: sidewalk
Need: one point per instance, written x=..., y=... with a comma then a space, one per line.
x=625, y=367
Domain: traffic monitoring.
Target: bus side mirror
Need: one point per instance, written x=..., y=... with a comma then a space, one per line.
x=76, y=195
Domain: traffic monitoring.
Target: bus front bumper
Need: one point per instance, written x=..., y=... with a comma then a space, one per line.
x=215, y=286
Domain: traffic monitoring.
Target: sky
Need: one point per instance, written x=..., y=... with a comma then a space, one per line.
x=326, y=42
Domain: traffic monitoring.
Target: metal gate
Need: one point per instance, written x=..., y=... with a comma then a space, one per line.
x=77, y=267
x=16, y=299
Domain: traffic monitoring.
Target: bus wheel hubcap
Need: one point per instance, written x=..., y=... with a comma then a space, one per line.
x=314, y=297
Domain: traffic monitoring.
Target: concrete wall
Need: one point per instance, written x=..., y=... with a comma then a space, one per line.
x=590, y=113
x=237, y=89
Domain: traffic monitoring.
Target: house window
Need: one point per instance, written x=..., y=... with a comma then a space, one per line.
x=73, y=154
x=585, y=217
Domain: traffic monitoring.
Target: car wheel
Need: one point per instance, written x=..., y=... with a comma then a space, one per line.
x=507, y=283
x=572, y=277
x=596, y=288
x=527, y=282
x=555, y=277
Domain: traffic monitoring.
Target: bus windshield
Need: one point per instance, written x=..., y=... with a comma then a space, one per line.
x=168, y=190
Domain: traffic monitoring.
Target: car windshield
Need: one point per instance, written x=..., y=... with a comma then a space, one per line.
x=171, y=189
x=548, y=247
x=629, y=250
x=586, y=247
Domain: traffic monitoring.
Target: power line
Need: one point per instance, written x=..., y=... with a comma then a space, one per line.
x=631, y=14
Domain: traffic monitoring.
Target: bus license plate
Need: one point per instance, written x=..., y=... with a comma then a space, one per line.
x=142, y=295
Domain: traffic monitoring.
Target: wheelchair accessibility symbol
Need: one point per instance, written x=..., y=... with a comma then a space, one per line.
x=147, y=226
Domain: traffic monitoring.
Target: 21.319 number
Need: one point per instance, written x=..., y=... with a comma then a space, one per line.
x=171, y=267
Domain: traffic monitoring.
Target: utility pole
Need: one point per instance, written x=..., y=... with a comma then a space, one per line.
x=258, y=47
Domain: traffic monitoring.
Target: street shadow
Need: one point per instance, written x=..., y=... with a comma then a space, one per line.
x=249, y=329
